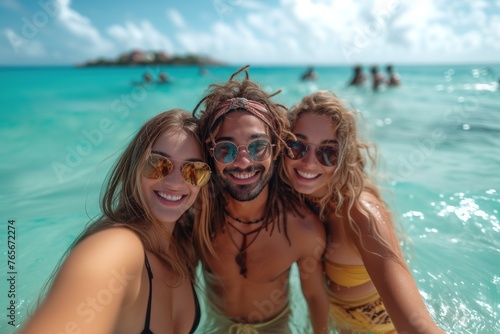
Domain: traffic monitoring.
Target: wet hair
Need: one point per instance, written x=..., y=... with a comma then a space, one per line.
x=122, y=202
x=210, y=218
x=355, y=159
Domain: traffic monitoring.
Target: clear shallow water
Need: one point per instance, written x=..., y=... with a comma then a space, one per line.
x=438, y=136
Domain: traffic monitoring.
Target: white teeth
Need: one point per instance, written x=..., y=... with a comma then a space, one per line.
x=244, y=176
x=169, y=197
x=306, y=175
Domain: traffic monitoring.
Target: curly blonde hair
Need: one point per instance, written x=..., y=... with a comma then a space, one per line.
x=355, y=157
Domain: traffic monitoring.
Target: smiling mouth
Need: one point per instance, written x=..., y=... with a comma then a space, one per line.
x=244, y=176
x=306, y=175
x=169, y=198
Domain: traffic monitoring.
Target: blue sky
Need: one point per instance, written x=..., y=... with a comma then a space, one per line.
x=274, y=32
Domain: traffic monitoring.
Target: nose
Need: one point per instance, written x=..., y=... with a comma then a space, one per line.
x=174, y=179
x=310, y=157
x=242, y=157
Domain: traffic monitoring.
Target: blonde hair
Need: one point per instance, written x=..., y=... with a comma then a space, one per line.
x=355, y=156
x=122, y=202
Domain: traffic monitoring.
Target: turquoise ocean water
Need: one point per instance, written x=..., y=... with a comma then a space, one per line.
x=438, y=135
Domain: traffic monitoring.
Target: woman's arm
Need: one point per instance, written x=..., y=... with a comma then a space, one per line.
x=389, y=272
x=92, y=285
x=312, y=243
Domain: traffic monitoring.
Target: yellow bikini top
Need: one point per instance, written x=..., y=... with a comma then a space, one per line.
x=346, y=275
x=342, y=274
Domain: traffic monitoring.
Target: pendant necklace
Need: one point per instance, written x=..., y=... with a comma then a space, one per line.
x=241, y=258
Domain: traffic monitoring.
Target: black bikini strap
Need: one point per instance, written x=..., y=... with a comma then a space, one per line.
x=150, y=275
x=197, y=312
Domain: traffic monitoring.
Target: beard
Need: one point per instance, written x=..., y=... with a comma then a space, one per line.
x=245, y=192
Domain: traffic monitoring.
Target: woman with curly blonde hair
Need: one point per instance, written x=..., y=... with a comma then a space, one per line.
x=369, y=285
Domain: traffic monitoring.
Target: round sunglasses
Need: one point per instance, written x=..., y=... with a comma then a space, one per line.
x=326, y=155
x=195, y=173
x=225, y=152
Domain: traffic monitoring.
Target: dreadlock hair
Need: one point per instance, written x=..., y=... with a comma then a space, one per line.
x=209, y=211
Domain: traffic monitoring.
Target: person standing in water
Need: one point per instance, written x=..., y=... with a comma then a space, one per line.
x=358, y=78
x=251, y=230
x=132, y=270
x=394, y=79
x=369, y=284
x=378, y=78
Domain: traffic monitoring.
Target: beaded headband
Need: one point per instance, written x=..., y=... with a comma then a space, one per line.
x=255, y=108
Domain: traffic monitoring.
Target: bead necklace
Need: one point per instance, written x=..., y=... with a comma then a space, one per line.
x=241, y=257
x=243, y=222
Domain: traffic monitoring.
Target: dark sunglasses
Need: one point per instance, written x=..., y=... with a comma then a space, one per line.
x=195, y=173
x=326, y=155
x=226, y=152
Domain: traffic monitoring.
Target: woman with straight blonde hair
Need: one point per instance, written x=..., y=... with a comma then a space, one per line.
x=131, y=271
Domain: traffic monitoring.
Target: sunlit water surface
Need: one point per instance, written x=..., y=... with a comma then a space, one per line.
x=438, y=137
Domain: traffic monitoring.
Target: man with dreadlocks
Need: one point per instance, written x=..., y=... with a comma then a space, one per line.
x=252, y=228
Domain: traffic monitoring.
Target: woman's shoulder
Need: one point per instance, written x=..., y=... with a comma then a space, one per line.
x=117, y=233
x=111, y=238
x=303, y=219
x=373, y=203
x=370, y=210
x=380, y=217
x=113, y=246
x=306, y=231
x=104, y=268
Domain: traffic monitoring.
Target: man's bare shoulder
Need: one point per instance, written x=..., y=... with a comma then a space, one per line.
x=303, y=218
x=305, y=227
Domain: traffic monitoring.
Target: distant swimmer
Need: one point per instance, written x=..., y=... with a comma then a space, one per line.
x=394, y=79
x=378, y=78
x=309, y=75
x=147, y=78
x=359, y=77
x=163, y=78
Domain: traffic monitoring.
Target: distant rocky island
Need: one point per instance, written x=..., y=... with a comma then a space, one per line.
x=138, y=58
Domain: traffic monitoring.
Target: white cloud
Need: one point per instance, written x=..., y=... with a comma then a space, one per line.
x=23, y=46
x=143, y=36
x=248, y=4
x=81, y=26
x=300, y=31
x=297, y=31
x=450, y=31
x=492, y=37
x=227, y=8
x=438, y=37
x=236, y=43
x=176, y=18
